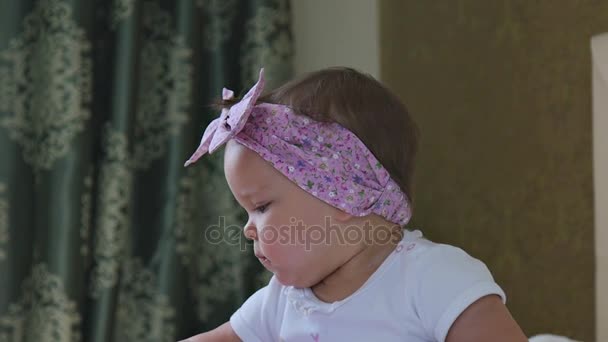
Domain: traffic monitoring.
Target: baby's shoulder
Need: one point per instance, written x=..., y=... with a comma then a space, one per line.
x=421, y=250
x=426, y=261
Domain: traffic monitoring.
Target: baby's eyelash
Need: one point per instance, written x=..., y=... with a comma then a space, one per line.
x=262, y=208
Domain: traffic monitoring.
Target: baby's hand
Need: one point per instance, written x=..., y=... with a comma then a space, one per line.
x=223, y=333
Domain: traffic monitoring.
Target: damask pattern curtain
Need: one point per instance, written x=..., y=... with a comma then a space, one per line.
x=104, y=235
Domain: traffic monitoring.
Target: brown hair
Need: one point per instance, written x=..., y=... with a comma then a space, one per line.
x=361, y=104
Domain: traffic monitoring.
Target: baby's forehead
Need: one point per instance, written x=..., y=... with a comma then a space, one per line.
x=240, y=156
x=244, y=163
x=255, y=188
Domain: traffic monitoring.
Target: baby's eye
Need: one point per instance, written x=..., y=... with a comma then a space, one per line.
x=262, y=208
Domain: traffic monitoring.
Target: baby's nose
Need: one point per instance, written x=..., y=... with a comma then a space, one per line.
x=250, y=231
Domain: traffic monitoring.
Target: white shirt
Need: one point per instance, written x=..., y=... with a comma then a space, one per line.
x=415, y=295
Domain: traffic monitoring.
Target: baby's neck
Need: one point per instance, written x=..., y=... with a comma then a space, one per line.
x=352, y=274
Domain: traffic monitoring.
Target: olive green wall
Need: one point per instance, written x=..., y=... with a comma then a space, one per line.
x=501, y=90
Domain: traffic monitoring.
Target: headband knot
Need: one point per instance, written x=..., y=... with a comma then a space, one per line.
x=231, y=121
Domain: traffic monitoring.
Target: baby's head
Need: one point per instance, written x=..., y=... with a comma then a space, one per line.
x=364, y=106
x=318, y=164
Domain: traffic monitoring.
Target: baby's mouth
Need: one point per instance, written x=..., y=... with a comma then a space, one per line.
x=264, y=260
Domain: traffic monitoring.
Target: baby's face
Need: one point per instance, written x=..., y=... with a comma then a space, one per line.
x=275, y=205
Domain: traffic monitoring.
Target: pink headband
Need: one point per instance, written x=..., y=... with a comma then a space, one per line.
x=325, y=159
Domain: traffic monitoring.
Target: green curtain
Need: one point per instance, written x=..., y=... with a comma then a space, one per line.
x=104, y=235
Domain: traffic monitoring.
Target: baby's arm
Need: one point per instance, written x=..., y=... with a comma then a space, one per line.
x=487, y=319
x=223, y=333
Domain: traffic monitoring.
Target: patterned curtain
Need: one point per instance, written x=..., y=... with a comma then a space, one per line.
x=104, y=235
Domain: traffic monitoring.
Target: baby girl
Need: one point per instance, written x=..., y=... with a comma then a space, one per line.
x=323, y=166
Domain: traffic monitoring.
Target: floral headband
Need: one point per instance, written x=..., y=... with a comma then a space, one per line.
x=324, y=159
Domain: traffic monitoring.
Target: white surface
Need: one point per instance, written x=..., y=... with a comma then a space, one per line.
x=599, y=49
x=336, y=33
x=550, y=338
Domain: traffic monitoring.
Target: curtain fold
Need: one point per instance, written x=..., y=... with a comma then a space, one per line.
x=104, y=235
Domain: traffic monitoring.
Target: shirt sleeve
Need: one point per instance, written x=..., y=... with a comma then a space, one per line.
x=256, y=320
x=449, y=281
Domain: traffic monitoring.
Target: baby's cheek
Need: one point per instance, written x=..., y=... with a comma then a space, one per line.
x=279, y=242
x=268, y=235
x=277, y=236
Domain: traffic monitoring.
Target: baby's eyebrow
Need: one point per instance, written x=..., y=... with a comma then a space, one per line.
x=255, y=190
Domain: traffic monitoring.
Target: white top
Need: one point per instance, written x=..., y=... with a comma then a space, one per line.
x=415, y=295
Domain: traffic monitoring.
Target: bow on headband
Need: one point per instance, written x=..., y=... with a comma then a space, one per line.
x=324, y=159
x=230, y=122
